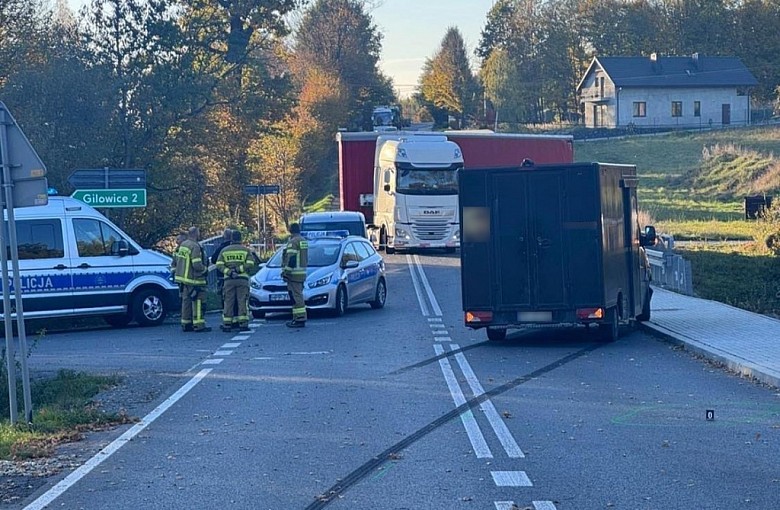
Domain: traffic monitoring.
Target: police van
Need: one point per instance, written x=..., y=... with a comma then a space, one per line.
x=74, y=262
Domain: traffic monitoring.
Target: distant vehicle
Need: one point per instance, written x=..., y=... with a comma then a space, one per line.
x=405, y=182
x=351, y=221
x=553, y=244
x=74, y=262
x=386, y=118
x=342, y=272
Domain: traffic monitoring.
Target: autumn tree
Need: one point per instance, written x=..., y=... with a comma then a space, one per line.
x=447, y=81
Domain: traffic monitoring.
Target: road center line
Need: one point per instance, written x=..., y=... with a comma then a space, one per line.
x=223, y=353
x=66, y=483
x=428, y=289
x=499, y=427
x=420, y=298
x=544, y=505
x=511, y=479
x=230, y=345
x=478, y=442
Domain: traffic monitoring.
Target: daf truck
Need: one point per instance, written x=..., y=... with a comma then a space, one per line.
x=553, y=245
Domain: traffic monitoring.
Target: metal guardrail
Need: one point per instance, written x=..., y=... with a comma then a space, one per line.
x=669, y=270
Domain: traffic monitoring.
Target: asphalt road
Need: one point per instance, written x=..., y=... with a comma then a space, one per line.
x=404, y=408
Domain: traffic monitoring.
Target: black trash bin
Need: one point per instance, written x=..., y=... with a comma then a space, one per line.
x=756, y=205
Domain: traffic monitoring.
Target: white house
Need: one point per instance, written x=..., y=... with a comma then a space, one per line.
x=655, y=91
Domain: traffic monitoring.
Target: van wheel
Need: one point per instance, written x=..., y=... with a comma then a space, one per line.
x=380, y=296
x=496, y=334
x=149, y=307
x=645, y=315
x=118, y=321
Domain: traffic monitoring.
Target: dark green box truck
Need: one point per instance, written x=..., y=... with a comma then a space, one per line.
x=553, y=244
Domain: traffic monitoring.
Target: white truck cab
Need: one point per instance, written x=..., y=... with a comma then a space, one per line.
x=416, y=192
x=74, y=262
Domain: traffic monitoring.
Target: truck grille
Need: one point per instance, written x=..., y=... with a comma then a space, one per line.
x=431, y=229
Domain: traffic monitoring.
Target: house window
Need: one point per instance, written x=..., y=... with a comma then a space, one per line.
x=640, y=109
x=602, y=87
x=676, y=108
x=697, y=108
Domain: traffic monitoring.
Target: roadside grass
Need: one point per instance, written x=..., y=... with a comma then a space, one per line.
x=63, y=409
x=745, y=276
x=320, y=205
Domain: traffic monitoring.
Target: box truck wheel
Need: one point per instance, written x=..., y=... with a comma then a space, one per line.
x=496, y=334
x=610, y=331
x=645, y=315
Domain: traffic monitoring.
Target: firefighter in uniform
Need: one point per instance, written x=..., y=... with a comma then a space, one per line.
x=236, y=264
x=294, y=261
x=191, y=277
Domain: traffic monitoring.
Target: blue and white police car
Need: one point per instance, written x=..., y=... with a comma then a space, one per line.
x=74, y=262
x=343, y=271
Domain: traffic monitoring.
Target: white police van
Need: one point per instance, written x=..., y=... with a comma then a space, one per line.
x=74, y=262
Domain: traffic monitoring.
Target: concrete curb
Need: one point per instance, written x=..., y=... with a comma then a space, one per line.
x=741, y=366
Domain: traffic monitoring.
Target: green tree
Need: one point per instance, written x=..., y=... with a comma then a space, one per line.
x=447, y=81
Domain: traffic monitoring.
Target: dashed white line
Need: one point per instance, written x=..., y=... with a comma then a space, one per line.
x=478, y=442
x=53, y=493
x=434, y=319
x=499, y=427
x=511, y=479
x=230, y=345
x=439, y=332
x=443, y=339
x=544, y=505
x=214, y=361
x=223, y=353
x=254, y=324
x=240, y=337
x=505, y=505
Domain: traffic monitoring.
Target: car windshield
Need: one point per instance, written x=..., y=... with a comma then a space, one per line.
x=355, y=228
x=427, y=181
x=320, y=254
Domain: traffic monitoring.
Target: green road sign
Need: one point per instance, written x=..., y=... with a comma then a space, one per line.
x=111, y=197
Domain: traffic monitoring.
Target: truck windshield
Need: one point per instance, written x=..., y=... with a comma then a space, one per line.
x=433, y=181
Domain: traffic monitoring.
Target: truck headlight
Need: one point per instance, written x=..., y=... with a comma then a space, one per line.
x=401, y=233
x=322, y=281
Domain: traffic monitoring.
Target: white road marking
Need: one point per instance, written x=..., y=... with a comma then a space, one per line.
x=264, y=358
x=544, y=505
x=215, y=361
x=223, y=353
x=499, y=427
x=420, y=298
x=481, y=448
x=428, y=289
x=255, y=324
x=505, y=505
x=309, y=353
x=440, y=332
x=443, y=339
x=230, y=345
x=434, y=319
x=240, y=337
x=66, y=483
x=511, y=479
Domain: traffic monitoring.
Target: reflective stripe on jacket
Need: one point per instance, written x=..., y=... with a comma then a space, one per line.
x=190, y=269
x=236, y=257
x=295, y=258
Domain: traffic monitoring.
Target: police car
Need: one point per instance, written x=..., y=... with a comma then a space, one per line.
x=342, y=271
x=74, y=262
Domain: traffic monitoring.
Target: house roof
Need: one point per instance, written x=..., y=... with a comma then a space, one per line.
x=674, y=72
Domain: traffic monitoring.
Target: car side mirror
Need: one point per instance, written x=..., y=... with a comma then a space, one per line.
x=648, y=237
x=350, y=264
x=120, y=248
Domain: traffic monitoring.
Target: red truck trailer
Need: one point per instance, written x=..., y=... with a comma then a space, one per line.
x=481, y=149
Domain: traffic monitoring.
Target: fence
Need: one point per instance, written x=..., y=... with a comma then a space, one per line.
x=669, y=270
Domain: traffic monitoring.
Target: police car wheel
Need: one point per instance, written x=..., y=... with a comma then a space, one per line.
x=340, y=307
x=380, y=296
x=149, y=307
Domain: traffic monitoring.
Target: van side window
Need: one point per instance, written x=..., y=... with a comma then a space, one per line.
x=94, y=238
x=38, y=239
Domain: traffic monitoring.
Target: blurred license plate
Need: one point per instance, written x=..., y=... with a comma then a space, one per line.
x=282, y=296
x=534, y=316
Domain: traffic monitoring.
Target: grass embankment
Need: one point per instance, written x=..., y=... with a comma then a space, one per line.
x=63, y=409
x=693, y=185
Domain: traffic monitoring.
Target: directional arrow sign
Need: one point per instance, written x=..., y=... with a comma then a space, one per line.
x=111, y=197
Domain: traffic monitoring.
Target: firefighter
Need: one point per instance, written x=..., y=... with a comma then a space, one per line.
x=227, y=240
x=237, y=265
x=179, y=239
x=294, y=261
x=191, y=276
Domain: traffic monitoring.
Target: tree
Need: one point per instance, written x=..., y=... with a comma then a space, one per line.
x=447, y=81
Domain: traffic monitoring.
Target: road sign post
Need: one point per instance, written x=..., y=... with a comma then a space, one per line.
x=111, y=197
x=257, y=190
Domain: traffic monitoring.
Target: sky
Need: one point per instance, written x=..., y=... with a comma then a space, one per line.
x=412, y=31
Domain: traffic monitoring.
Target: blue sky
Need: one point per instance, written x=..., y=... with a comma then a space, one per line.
x=413, y=30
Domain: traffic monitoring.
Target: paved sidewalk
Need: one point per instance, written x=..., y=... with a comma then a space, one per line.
x=746, y=342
